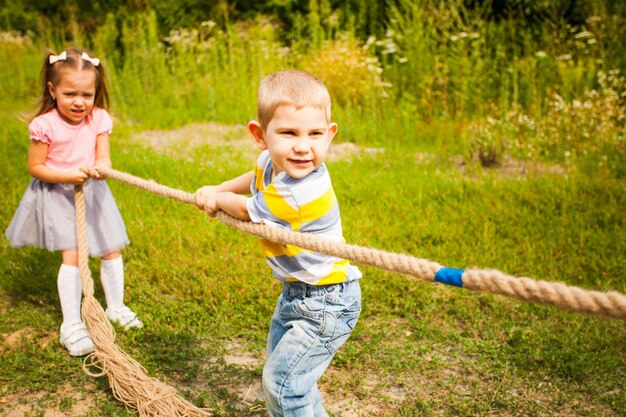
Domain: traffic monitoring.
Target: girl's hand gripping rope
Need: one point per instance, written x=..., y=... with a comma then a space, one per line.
x=92, y=173
x=96, y=172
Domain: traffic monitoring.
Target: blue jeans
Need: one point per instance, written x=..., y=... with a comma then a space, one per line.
x=309, y=325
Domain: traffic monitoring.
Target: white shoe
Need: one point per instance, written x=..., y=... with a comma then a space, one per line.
x=76, y=339
x=124, y=316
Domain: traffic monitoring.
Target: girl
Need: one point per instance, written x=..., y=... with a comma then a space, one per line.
x=70, y=131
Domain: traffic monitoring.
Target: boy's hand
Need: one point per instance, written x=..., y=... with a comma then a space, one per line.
x=203, y=194
x=213, y=198
x=210, y=206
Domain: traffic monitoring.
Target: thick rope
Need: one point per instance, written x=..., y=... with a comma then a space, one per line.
x=610, y=304
x=127, y=378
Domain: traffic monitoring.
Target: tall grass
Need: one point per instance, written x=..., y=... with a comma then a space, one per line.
x=435, y=62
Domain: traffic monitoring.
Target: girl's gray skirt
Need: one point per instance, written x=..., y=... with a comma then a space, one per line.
x=46, y=217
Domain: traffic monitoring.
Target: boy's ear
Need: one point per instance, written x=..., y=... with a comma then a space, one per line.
x=257, y=133
x=332, y=131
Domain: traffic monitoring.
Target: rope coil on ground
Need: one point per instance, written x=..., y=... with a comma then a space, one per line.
x=610, y=304
x=127, y=378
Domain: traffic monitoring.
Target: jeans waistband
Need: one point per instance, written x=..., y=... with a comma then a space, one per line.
x=302, y=289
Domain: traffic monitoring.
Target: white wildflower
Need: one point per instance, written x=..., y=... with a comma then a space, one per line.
x=583, y=35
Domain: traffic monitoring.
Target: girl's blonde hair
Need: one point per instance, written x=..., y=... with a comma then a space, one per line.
x=293, y=88
x=52, y=73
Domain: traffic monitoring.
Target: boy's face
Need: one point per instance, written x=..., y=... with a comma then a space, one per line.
x=297, y=139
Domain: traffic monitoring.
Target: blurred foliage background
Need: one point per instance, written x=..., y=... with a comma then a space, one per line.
x=537, y=80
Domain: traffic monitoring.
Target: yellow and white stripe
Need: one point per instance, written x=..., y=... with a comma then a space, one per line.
x=308, y=205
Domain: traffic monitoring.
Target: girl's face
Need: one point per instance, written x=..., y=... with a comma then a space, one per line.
x=74, y=94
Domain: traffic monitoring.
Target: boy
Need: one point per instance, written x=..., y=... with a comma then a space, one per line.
x=321, y=298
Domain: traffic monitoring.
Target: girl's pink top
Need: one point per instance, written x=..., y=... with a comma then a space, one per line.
x=70, y=146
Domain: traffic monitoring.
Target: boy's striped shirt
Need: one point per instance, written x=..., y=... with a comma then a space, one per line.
x=307, y=205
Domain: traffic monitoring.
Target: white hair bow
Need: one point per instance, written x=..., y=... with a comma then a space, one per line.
x=94, y=61
x=55, y=58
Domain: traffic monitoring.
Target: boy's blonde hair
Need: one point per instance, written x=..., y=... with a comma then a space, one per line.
x=293, y=88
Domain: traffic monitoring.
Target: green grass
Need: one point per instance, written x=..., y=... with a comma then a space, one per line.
x=204, y=291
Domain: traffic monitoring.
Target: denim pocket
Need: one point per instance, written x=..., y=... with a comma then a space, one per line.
x=341, y=319
x=311, y=308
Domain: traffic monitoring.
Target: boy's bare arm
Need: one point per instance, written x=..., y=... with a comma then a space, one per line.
x=233, y=204
x=229, y=196
x=239, y=185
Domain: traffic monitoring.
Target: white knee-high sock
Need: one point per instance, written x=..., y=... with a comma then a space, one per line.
x=70, y=293
x=112, y=276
